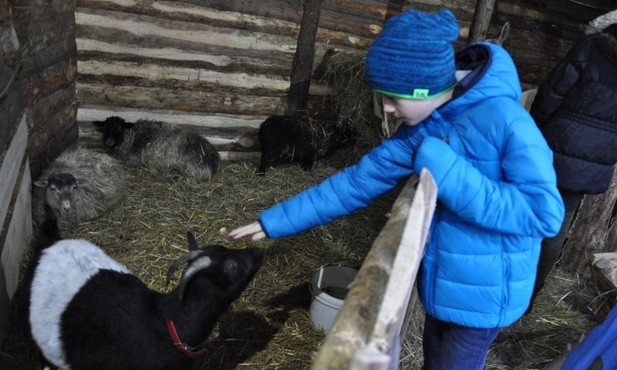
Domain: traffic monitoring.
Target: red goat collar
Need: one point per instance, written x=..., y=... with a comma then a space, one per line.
x=183, y=347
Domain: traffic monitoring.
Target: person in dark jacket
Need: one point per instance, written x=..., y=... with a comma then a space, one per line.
x=576, y=110
x=497, y=191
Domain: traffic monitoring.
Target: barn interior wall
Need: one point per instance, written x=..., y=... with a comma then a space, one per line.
x=38, y=69
x=222, y=67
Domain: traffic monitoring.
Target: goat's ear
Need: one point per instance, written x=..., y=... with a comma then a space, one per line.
x=81, y=182
x=99, y=123
x=41, y=183
x=192, y=242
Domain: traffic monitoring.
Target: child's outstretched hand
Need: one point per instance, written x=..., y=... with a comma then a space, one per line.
x=253, y=229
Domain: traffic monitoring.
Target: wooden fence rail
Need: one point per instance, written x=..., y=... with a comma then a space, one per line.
x=366, y=331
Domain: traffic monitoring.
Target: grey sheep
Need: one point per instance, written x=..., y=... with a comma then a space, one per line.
x=159, y=146
x=80, y=185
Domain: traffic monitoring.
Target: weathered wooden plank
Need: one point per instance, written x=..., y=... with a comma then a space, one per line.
x=188, y=76
x=39, y=25
x=140, y=26
x=53, y=114
x=17, y=232
x=52, y=136
x=390, y=319
x=218, y=59
x=13, y=242
x=56, y=77
x=590, y=229
x=10, y=58
x=358, y=316
x=196, y=119
x=36, y=61
x=10, y=109
x=334, y=28
x=604, y=273
x=180, y=100
x=216, y=101
x=10, y=166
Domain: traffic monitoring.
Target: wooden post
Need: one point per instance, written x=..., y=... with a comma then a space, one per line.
x=302, y=66
x=481, y=21
x=366, y=329
x=590, y=230
x=394, y=7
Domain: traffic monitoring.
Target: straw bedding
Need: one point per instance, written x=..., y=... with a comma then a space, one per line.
x=269, y=326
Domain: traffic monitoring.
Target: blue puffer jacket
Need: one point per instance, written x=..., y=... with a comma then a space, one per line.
x=497, y=194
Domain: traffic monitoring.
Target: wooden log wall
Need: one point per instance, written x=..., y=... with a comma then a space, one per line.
x=38, y=69
x=220, y=66
x=46, y=31
x=224, y=66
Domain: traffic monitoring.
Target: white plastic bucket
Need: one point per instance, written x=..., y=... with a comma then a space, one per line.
x=329, y=287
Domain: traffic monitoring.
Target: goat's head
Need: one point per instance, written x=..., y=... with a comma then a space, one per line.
x=228, y=270
x=60, y=194
x=113, y=130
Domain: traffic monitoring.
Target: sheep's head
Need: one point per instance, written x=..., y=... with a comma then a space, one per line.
x=60, y=194
x=343, y=136
x=113, y=130
x=228, y=270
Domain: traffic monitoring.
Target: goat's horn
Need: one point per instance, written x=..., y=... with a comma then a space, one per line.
x=179, y=262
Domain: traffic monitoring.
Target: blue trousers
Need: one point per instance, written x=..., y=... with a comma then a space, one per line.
x=448, y=346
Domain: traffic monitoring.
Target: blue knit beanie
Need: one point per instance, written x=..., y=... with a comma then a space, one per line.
x=413, y=57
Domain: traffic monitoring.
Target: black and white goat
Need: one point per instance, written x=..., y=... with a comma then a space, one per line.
x=289, y=139
x=160, y=146
x=88, y=311
x=80, y=185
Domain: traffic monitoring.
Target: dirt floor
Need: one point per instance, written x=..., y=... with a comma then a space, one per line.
x=268, y=327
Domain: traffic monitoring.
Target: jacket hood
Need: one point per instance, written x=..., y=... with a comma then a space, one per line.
x=493, y=75
x=601, y=23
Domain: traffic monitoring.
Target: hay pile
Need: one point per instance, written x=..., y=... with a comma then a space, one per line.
x=354, y=98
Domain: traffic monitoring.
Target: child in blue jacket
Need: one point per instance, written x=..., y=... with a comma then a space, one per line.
x=497, y=195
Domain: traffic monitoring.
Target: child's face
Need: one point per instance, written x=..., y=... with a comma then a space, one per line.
x=410, y=111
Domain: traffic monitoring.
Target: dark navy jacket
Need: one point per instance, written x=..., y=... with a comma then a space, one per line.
x=576, y=110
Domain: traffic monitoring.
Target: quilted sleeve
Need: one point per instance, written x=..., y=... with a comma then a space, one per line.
x=526, y=202
x=346, y=191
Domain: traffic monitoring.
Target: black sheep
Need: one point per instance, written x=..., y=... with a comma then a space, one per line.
x=289, y=139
